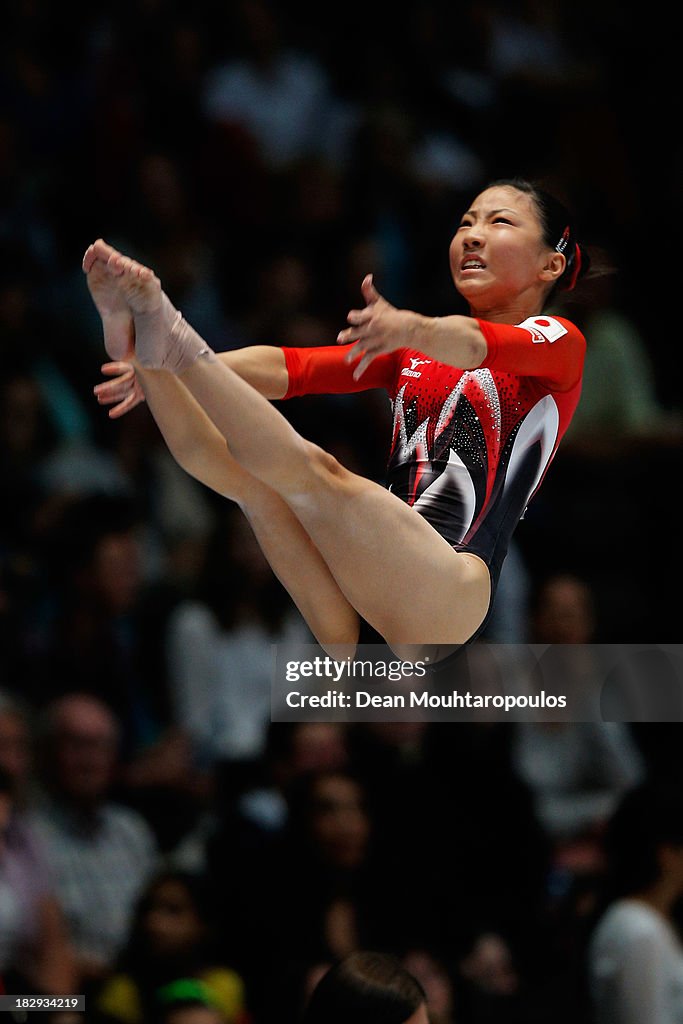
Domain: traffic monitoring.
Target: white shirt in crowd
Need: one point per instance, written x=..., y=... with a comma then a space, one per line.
x=636, y=967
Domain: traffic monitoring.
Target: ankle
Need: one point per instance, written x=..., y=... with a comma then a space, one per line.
x=165, y=341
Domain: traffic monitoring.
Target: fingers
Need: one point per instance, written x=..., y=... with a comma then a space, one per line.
x=365, y=355
x=370, y=293
x=110, y=369
x=123, y=393
x=115, y=390
x=126, y=405
x=363, y=365
x=360, y=316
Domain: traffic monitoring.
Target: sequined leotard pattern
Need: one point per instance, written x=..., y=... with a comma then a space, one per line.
x=469, y=448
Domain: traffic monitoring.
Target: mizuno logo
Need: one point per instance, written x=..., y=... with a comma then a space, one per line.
x=414, y=372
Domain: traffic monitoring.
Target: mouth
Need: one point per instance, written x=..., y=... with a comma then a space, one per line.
x=472, y=263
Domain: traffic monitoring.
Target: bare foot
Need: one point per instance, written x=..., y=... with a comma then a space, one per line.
x=161, y=338
x=110, y=301
x=140, y=285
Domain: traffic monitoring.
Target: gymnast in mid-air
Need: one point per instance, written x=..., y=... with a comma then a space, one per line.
x=480, y=404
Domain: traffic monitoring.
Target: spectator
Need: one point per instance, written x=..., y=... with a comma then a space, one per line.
x=172, y=940
x=577, y=770
x=253, y=813
x=219, y=647
x=280, y=97
x=101, y=854
x=320, y=892
x=635, y=956
x=35, y=953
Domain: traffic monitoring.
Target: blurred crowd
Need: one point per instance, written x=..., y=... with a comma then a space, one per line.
x=165, y=848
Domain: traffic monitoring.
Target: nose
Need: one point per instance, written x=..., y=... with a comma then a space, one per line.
x=472, y=239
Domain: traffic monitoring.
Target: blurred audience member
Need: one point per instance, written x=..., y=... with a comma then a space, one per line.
x=280, y=96
x=635, y=956
x=102, y=637
x=35, y=953
x=219, y=647
x=612, y=420
x=172, y=942
x=101, y=854
x=577, y=770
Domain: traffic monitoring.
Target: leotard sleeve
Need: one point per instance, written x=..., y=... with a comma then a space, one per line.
x=542, y=346
x=321, y=370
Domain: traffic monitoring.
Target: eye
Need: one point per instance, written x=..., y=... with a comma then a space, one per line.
x=464, y=224
x=501, y=220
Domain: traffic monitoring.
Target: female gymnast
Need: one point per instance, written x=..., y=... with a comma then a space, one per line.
x=480, y=405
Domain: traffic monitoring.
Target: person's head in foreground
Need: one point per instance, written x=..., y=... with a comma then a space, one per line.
x=367, y=988
x=516, y=244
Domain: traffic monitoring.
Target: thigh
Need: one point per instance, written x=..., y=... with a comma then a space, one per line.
x=390, y=563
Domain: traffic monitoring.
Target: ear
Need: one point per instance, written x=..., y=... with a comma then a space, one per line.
x=554, y=267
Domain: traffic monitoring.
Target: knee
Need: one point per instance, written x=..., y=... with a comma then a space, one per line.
x=324, y=469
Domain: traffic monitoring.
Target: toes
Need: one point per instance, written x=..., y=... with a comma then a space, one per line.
x=89, y=258
x=102, y=250
x=116, y=263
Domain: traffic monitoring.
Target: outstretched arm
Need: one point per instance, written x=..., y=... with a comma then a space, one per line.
x=262, y=366
x=528, y=349
x=381, y=328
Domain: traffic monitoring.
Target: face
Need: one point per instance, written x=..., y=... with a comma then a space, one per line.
x=318, y=746
x=340, y=824
x=117, y=570
x=498, y=253
x=85, y=750
x=171, y=922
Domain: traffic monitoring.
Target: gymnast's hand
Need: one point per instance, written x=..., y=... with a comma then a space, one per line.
x=123, y=392
x=380, y=327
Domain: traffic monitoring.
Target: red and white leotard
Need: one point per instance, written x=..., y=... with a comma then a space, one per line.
x=469, y=447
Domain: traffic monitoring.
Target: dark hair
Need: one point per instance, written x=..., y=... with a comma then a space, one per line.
x=366, y=988
x=648, y=817
x=559, y=230
x=6, y=782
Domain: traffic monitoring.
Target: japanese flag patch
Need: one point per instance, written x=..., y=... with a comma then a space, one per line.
x=543, y=328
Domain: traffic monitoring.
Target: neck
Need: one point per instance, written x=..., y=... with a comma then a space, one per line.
x=529, y=303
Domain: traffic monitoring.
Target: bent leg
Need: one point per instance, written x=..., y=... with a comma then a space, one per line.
x=201, y=450
x=391, y=565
